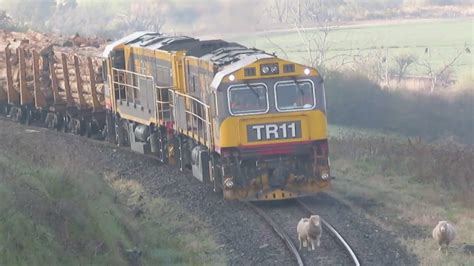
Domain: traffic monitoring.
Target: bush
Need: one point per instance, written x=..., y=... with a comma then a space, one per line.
x=354, y=100
x=449, y=167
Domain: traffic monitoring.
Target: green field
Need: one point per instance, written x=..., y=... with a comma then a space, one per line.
x=445, y=38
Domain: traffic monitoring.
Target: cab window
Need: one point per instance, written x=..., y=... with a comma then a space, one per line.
x=248, y=99
x=294, y=95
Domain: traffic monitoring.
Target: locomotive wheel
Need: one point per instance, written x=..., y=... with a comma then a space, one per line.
x=109, y=128
x=216, y=177
x=61, y=122
x=104, y=134
x=122, y=133
x=50, y=120
x=92, y=130
x=74, y=126
x=65, y=125
x=217, y=185
x=43, y=116
x=3, y=109
x=15, y=114
x=29, y=116
x=89, y=129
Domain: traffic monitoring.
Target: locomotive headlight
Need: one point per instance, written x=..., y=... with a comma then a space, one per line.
x=229, y=183
x=307, y=71
x=269, y=69
x=325, y=175
x=231, y=77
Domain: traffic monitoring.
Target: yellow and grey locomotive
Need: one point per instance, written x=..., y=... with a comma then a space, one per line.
x=250, y=124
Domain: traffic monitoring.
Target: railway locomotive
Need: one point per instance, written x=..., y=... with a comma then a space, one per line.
x=251, y=125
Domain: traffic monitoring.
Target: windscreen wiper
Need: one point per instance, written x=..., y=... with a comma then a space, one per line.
x=300, y=90
x=253, y=90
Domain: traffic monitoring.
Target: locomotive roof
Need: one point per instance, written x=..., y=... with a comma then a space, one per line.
x=109, y=48
x=228, y=69
x=231, y=54
x=219, y=52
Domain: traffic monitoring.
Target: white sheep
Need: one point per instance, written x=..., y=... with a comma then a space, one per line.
x=309, y=230
x=444, y=233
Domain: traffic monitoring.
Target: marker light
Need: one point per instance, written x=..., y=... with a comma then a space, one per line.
x=324, y=175
x=307, y=71
x=229, y=183
x=231, y=77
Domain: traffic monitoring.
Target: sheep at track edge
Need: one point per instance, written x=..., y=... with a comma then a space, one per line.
x=309, y=230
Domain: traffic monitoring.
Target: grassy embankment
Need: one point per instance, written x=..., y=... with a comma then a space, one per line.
x=398, y=181
x=445, y=38
x=355, y=101
x=403, y=180
x=52, y=217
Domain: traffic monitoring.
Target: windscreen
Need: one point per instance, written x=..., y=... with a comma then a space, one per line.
x=248, y=99
x=294, y=95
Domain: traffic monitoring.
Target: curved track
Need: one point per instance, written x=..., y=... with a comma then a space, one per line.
x=279, y=230
x=335, y=234
x=283, y=218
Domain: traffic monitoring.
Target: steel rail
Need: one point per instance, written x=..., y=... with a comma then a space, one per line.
x=280, y=232
x=334, y=232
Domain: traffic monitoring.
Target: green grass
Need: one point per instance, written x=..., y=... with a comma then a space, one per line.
x=337, y=131
x=49, y=217
x=445, y=38
x=386, y=186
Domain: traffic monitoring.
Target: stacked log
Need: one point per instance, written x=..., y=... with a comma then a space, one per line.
x=36, y=59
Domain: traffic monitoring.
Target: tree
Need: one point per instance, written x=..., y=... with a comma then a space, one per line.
x=403, y=62
x=279, y=10
x=31, y=13
x=440, y=76
x=314, y=21
x=66, y=4
x=148, y=15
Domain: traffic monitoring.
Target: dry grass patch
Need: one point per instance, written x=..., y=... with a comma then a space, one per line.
x=399, y=183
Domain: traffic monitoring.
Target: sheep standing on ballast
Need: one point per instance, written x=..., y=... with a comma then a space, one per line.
x=309, y=230
x=444, y=233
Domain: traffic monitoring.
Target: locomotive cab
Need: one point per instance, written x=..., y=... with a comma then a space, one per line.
x=272, y=140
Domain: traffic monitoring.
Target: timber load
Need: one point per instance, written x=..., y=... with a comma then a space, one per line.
x=52, y=78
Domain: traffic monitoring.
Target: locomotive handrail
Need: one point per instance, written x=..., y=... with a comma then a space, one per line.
x=128, y=80
x=190, y=97
x=160, y=108
x=193, y=129
x=132, y=73
x=197, y=123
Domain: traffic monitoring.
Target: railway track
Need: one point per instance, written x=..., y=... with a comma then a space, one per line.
x=279, y=231
x=283, y=218
x=334, y=233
